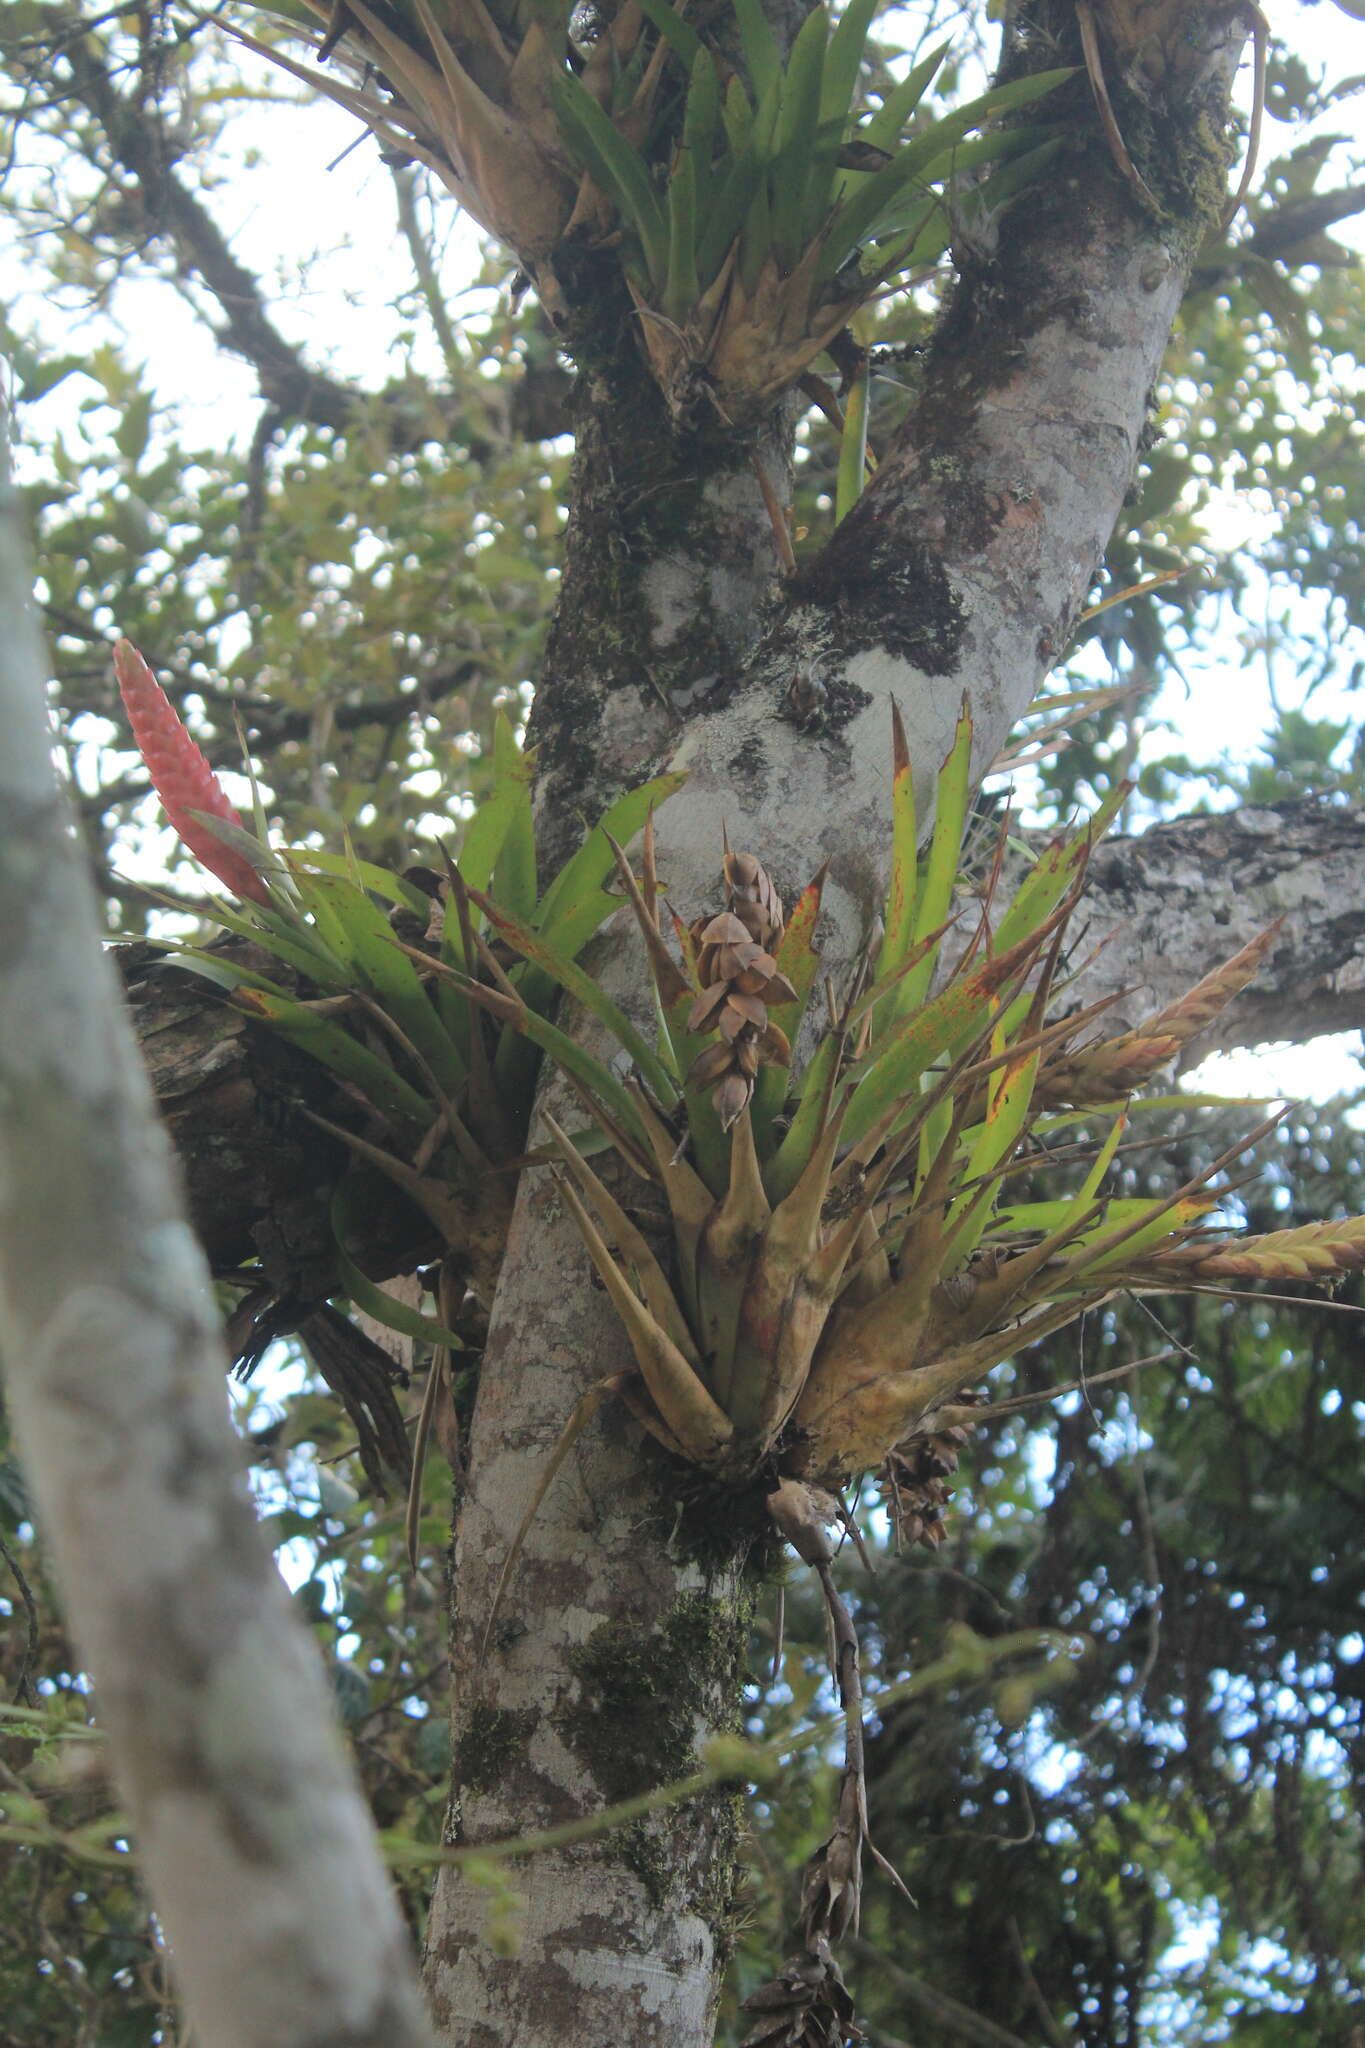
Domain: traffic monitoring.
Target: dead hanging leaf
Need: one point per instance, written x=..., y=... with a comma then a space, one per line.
x=832, y=1888
x=806, y=2006
x=362, y=1375
x=805, y=1514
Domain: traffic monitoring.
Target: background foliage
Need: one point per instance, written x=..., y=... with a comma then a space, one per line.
x=353, y=515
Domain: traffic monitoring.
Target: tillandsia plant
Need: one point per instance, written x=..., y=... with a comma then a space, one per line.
x=847, y=1259
x=446, y=1093
x=769, y=215
x=751, y=210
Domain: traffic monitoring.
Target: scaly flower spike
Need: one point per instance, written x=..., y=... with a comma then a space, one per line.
x=181, y=776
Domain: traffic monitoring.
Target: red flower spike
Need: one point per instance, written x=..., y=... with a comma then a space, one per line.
x=181, y=777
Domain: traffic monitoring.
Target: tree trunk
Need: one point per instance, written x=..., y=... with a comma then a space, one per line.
x=959, y=574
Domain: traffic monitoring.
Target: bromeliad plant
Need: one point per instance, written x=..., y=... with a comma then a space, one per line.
x=752, y=213
x=448, y=1096
x=847, y=1258
x=772, y=215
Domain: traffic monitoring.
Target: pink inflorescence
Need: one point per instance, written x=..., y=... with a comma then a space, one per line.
x=181, y=777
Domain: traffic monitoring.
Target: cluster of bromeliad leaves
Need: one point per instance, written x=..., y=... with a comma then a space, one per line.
x=847, y=1258
x=753, y=213
x=449, y=1093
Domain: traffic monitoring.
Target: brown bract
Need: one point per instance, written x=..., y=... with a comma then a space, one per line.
x=739, y=979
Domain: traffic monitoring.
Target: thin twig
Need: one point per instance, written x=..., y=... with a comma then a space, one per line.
x=1055, y=2036
x=1118, y=149
x=1260, y=41
x=23, y=1691
x=782, y=537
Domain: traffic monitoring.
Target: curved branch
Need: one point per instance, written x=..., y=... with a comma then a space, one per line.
x=1194, y=891
x=261, y=1856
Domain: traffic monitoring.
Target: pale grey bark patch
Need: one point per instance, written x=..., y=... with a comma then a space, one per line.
x=958, y=573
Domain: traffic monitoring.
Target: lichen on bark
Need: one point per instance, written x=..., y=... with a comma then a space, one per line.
x=646, y=1694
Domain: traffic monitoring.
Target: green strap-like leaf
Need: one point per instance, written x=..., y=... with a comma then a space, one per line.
x=759, y=44
x=595, y=1077
x=381, y=880
x=288, y=939
x=725, y=217
x=757, y=238
x=1055, y=871
x=681, y=288
x=701, y=119
x=902, y=888
x=838, y=90
x=680, y=36
x=737, y=112
x=886, y=126
x=514, y=877
x=576, y=901
x=617, y=168
x=934, y=894
x=390, y=976
x=335, y=1048
x=789, y=1162
x=481, y=840
x=212, y=967
x=373, y=1301
x=992, y=1146
x=533, y=946
x=797, y=125
x=844, y=58
x=1025, y=151
x=853, y=445
x=859, y=218
x=798, y=959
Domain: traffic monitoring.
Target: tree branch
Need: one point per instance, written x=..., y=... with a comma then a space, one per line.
x=250, y=1826
x=1292, y=234
x=1192, y=892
